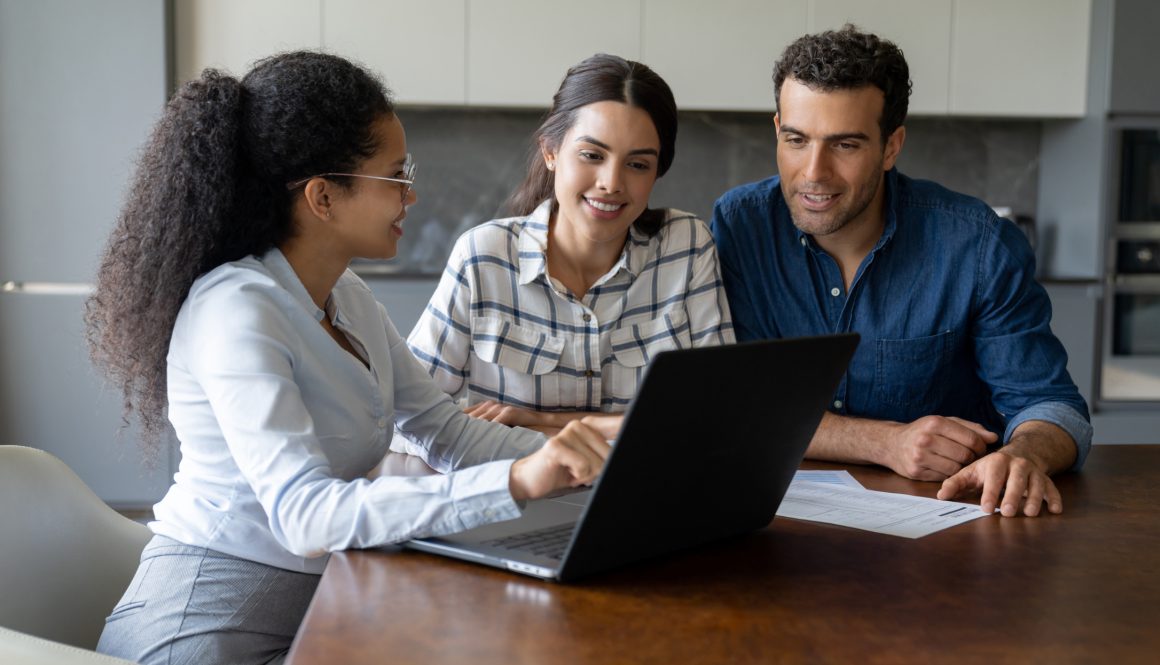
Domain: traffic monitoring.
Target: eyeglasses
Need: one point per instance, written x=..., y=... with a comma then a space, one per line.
x=407, y=181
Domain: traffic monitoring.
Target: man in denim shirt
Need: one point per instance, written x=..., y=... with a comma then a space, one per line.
x=956, y=352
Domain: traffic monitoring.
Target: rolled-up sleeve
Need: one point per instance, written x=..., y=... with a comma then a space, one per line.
x=1019, y=358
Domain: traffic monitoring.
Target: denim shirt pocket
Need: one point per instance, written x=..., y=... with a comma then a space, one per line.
x=516, y=348
x=906, y=372
x=634, y=346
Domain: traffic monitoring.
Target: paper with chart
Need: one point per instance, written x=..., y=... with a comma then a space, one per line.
x=834, y=500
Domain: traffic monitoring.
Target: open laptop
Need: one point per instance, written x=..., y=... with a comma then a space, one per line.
x=706, y=451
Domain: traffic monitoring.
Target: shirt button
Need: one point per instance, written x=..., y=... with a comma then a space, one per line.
x=587, y=318
x=382, y=423
x=835, y=292
x=803, y=239
x=589, y=373
x=837, y=404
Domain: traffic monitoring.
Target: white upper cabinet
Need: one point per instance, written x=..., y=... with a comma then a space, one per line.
x=519, y=50
x=1020, y=58
x=1007, y=58
x=921, y=28
x=417, y=47
x=233, y=34
x=720, y=55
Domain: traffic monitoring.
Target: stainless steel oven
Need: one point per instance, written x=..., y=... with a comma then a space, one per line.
x=1130, y=369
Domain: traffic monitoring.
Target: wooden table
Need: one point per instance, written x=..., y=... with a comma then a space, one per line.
x=1083, y=586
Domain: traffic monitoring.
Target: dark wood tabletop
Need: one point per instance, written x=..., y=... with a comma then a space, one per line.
x=1081, y=587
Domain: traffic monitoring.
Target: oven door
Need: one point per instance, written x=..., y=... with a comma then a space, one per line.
x=1131, y=363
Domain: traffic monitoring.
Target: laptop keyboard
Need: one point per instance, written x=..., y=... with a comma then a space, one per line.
x=550, y=542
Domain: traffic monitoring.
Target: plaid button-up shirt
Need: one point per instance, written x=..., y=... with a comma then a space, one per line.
x=499, y=328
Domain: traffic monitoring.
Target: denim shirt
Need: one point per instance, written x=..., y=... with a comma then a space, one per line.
x=952, y=320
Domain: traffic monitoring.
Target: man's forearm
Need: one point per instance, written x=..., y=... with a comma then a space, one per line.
x=848, y=439
x=1045, y=444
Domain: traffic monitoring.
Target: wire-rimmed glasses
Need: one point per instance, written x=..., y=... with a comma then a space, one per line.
x=407, y=181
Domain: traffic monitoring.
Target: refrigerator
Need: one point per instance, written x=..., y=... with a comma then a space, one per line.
x=81, y=84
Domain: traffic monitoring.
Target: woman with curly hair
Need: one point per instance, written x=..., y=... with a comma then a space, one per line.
x=224, y=304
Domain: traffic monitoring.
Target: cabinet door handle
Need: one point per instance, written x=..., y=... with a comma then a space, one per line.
x=47, y=288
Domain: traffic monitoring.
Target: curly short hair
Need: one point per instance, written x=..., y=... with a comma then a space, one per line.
x=846, y=59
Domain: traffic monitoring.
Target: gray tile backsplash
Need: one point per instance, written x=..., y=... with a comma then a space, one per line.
x=469, y=161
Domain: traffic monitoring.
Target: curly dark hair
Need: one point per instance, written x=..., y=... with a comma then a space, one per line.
x=600, y=78
x=210, y=187
x=845, y=59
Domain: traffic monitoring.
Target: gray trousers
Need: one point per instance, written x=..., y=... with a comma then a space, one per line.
x=193, y=605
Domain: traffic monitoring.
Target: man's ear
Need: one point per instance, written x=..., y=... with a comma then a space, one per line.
x=319, y=196
x=893, y=148
x=777, y=123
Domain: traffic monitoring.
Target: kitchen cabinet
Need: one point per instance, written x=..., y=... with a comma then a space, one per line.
x=232, y=35
x=1006, y=58
x=720, y=55
x=519, y=50
x=417, y=47
x=1027, y=58
x=1075, y=307
x=1134, y=88
x=921, y=28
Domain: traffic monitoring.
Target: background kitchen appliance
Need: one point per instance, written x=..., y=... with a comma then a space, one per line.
x=1131, y=345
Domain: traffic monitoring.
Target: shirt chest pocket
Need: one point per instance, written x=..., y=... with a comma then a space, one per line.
x=634, y=346
x=515, y=348
x=908, y=371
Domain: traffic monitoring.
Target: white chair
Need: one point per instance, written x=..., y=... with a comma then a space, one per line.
x=24, y=649
x=65, y=560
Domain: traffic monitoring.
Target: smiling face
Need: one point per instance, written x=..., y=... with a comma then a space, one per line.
x=370, y=218
x=831, y=157
x=605, y=168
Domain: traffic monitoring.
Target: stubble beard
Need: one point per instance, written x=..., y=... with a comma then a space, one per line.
x=823, y=224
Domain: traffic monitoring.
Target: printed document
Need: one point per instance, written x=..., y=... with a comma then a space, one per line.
x=832, y=500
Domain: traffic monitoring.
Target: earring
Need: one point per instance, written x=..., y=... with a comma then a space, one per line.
x=551, y=166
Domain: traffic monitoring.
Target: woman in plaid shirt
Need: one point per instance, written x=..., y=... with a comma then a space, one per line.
x=554, y=313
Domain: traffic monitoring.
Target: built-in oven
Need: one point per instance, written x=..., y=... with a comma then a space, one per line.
x=1130, y=369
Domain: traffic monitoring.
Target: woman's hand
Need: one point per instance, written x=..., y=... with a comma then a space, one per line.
x=572, y=458
x=512, y=416
x=548, y=422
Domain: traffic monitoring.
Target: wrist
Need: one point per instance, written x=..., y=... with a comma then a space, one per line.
x=515, y=487
x=883, y=437
x=1013, y=449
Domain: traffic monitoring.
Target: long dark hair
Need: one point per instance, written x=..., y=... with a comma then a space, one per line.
x=601, y=78
x=210, y=187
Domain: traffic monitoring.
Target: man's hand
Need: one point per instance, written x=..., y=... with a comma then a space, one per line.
x=935, y=447
x=1020, y=471
x=1022, y=483
x=572, y=458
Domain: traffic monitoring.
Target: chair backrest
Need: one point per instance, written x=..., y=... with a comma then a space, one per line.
x=65, y=557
